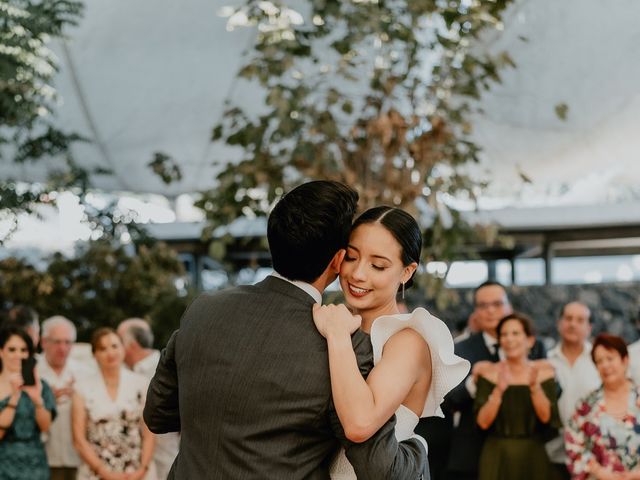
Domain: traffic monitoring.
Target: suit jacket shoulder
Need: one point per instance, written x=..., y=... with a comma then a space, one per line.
x=473, y=348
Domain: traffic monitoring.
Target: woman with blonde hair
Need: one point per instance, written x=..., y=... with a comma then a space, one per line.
x=108, y=430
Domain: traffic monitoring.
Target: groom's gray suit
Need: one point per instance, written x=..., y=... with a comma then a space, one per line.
x=246, y=382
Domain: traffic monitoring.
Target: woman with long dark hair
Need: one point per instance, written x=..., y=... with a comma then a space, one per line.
x=413, y=352
x=25, y=411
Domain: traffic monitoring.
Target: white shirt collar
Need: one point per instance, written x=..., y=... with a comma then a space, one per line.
x=310, y=289
x=492, y=343
x=489, y=341
x=148, y=363
x=556, y=352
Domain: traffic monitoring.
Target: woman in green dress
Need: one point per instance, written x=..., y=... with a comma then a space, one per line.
x=25, y=412
x=516, y=402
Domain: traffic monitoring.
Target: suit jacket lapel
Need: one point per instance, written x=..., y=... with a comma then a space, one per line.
x=482, y=349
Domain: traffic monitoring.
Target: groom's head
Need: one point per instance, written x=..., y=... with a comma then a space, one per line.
x=308, y=226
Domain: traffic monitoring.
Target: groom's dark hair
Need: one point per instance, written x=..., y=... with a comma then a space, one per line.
x=308, y=226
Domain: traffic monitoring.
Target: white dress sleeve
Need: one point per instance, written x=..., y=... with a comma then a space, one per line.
x=448, y=368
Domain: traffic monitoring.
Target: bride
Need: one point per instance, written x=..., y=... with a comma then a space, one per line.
x=413, y=353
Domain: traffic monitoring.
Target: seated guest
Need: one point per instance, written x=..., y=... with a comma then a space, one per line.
x=516, y=403
x=60, y=372
x=106, y=416
x=25, y=411
x=603, y=437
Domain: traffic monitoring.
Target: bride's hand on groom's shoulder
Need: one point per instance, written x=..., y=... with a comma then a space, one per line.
x=335, y=320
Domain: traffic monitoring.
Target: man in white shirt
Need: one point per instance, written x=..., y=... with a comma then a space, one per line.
x=575, y=371
x=140, y=357
x=60, y=372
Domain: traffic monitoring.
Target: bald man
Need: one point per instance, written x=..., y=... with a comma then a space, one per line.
x=140, y=357
x=575, y=371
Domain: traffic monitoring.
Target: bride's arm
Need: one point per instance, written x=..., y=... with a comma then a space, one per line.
x=364, y=406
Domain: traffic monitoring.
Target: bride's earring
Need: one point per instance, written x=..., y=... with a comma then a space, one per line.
x=403, y=290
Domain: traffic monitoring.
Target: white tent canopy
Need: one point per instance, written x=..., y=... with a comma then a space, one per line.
x=152, y=75
x=581, y=53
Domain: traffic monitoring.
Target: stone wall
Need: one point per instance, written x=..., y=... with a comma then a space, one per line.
x=614, y=306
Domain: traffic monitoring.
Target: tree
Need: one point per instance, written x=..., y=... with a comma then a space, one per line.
x=27, y=97
x=27, y=110
x=376, y=94
x=100, y=286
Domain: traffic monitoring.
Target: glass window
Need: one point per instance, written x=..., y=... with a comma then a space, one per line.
x=529, y=271
x=611, y=268
x=467, y=274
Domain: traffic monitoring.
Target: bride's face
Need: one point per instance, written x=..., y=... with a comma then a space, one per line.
x=372, y=269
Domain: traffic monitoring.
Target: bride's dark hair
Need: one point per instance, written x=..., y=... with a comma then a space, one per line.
x=402, y=226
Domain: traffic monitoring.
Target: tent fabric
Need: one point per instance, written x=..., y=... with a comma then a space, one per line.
x=153, y=75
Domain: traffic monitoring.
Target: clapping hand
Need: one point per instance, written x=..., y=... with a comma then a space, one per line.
x=137, y=475
x=62, y=392
x=534, y=383
x=335, y=319
x=111, y=475
x=478, y=367
x=504, y=377
x=601, y=473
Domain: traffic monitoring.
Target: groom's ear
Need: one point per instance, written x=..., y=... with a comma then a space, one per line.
x=336, y=261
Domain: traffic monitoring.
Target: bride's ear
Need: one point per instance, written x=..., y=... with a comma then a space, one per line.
x=336, y=261
x=408, y=271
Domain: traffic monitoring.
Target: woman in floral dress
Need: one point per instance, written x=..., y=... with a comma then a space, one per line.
x=108, y=430
x=603, y=436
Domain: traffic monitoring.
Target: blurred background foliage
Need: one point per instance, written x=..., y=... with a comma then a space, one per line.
x=100, y=286
x=376, y=94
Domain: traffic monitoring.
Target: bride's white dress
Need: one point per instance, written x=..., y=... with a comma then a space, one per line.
x=448, y=371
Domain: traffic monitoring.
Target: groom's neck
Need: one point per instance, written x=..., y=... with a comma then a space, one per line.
x=323, y=281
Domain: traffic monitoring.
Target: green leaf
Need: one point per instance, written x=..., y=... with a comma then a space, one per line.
x=562, y=110
x=217, y=133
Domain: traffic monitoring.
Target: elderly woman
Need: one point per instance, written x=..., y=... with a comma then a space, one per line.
x=516, y=403
x=106, y=415
x=25, y=411
x=603, y=437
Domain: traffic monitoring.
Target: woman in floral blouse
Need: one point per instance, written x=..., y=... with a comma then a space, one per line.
x=108, y=431
x=603, y=436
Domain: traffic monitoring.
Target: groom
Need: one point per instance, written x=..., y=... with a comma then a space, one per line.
x=246, y=378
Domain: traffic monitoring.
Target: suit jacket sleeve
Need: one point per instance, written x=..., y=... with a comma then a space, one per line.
x=381, y=457
x=161, y=412
x=460, y=397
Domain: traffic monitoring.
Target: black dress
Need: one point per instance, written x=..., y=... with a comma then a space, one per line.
x=514, y=448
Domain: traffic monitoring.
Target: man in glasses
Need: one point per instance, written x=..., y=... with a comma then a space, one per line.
x=491, y=304
x=61, y=373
